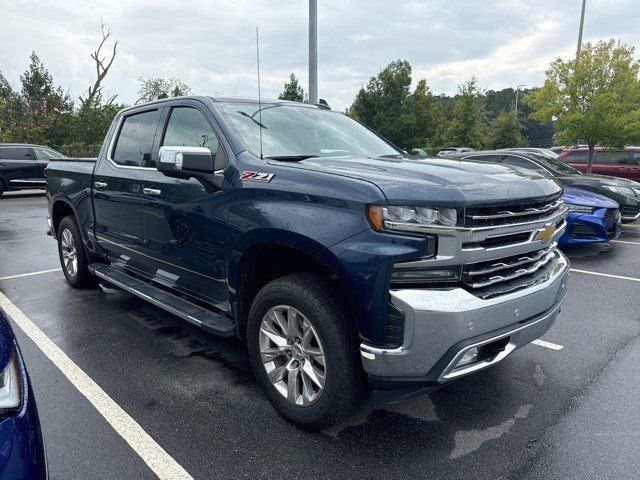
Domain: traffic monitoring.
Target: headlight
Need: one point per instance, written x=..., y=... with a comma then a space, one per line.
x=10, y=385
x=410, y=219
x=406, y=273
x=628, y=192
x=637, y=191
x=580, y=208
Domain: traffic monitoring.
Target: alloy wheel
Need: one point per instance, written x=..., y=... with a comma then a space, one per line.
x=292, y=355
x=69, y=252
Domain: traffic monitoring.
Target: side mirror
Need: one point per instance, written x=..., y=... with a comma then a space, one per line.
x=185, y=162
x=419, y=153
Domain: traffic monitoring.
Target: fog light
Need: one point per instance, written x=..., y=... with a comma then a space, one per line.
x=469, y=356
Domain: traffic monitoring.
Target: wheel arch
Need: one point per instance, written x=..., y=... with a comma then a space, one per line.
x=271, y=256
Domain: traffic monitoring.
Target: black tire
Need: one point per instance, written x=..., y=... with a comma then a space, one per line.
x=82, y=278
x=1, y=187
x=345, y=387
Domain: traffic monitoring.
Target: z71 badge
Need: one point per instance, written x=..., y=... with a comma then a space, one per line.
x=256, y=176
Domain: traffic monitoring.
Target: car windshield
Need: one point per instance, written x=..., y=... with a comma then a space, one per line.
x=297, y=132
x=557, y=166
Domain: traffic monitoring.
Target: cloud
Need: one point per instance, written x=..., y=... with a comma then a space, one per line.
x=210, y=44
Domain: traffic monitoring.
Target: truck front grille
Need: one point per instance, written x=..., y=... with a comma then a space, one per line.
x=629, y=211
x=495, y=215
x=497, y=277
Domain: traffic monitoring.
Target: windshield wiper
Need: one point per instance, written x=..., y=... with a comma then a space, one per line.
x=291, y=158
x=252, y=119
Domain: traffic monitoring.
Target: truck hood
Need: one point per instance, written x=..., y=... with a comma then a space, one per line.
x=440, y=181
x=577, y=196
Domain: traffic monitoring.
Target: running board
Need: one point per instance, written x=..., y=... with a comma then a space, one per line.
x=208, y=320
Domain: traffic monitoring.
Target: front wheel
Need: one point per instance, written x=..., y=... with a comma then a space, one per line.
x=73, y=257
x=303, y=351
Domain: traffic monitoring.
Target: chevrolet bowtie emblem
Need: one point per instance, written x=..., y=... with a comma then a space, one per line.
x=546, y=233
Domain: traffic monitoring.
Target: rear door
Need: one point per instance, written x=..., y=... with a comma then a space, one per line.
x=631, y=167
x=608, y=162
x=117, y=187
x=18, y=167
x=184, y=226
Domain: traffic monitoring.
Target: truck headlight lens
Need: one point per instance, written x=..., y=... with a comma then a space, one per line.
x=410, y=219
x=10, y=386
x=628, y=192
x=580, y=208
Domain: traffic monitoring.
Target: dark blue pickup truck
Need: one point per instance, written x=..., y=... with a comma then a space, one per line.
x=347, y=267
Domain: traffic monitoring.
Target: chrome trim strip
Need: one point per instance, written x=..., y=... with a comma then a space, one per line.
x=502, y=265
x=519, y=273
x=528, y=211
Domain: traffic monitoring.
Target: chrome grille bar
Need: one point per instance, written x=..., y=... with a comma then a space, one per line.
x=534, y=267
x=527, y=212
x=525, y=259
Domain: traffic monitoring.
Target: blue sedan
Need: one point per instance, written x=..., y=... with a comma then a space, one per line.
x=22, y=454
x=592, y=218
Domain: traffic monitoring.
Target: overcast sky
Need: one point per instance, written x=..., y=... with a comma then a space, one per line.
x=210, y=44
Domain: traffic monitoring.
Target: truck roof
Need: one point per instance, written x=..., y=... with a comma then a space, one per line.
x=222, y=99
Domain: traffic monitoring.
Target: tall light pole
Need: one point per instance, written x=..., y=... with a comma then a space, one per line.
x=584, y=6
x=313, y=51
x=518, y=97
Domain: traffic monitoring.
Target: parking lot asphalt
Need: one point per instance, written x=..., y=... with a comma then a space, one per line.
x=543, y=413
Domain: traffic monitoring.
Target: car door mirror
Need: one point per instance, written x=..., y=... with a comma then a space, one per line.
x=185, y=162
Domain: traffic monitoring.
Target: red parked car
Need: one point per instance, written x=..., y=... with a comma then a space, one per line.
x=617, y=163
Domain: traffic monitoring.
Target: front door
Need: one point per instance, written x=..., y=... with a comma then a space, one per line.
x=19, y=167
x=184, y=225
x=117, y=188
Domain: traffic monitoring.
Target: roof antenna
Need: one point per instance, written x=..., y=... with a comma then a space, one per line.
x=259, y=97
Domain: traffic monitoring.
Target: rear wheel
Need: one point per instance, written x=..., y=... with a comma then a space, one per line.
x=1, y=187
x=304, y=353
x=73, y=256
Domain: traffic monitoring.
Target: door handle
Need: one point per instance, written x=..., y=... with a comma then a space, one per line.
x=152, y=191
x=100, y=185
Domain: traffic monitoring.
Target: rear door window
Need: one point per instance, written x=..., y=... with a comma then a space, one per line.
x=135, y=140
x=15, y=153
x=608, y=157
x=577, y=156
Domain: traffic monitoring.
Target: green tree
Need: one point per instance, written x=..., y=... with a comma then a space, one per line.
x=467, y=126
x=505, y=131
x=594, y=99
x=40, y=106
x=292, y=90
x=156, y=88
x=387, y=105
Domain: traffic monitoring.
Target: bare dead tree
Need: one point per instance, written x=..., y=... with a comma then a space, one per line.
x=102, y=68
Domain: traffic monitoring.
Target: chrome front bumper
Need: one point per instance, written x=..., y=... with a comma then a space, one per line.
x=440, y=325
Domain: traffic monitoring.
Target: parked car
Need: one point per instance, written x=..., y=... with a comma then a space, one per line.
x=450, y=151
x=295, y=227
x=22, y=166
x=547, y=152
x=22, y=453
x=626, y=193
x=619, y=163
x=592, y=218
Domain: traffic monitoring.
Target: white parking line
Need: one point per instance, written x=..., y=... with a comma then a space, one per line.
x=158, y=460
x=624, y=241
x=619, y=277
x=552, y=346
x=11, y=277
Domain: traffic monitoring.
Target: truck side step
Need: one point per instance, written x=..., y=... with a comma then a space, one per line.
x=208, y=320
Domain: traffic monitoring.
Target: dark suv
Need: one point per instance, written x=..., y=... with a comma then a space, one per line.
x=22, y=165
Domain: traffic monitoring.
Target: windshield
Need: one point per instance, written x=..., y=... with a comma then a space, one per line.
x=292, y=131
x=557, y=166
